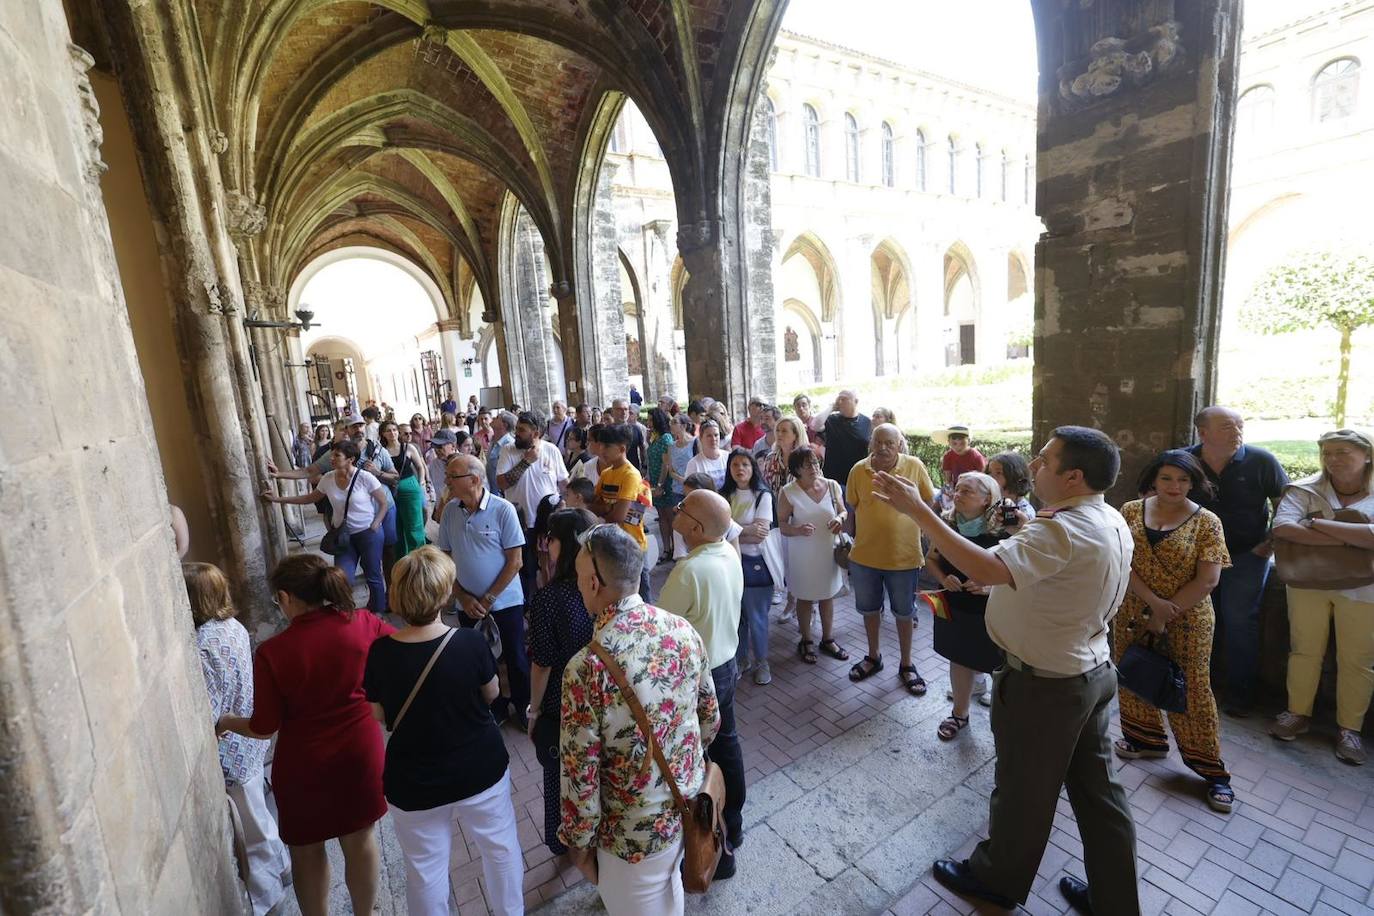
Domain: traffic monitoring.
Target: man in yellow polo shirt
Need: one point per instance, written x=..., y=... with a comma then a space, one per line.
x=621, y=495
x=887, y=552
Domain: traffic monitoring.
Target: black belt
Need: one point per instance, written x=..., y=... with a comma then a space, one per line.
x=1017, y=665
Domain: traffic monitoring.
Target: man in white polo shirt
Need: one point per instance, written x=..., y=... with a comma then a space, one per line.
x=1056, y=585
x=527, y=470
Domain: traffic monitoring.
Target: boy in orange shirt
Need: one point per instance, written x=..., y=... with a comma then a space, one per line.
x=622, y=496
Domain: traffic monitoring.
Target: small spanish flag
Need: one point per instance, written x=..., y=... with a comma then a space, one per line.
x=939, y=603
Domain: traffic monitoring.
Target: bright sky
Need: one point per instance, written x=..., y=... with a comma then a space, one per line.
x=988, y=43
x=375, y=304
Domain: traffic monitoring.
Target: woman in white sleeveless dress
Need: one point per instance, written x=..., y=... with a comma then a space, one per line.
x=810, y=514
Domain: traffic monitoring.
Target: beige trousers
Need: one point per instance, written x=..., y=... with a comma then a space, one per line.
x=1310, y=613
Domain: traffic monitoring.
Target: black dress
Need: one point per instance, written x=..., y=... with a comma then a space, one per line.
x=559, y=627
x=963, y=638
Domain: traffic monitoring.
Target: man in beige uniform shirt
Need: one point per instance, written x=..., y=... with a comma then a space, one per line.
x=1056, y=585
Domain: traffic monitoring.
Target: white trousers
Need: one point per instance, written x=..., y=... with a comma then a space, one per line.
x=426, y=839
x=268, y=860
x=651, y=887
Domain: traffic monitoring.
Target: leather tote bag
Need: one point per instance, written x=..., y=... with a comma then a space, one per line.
x=703, y=829
x=1326, y=568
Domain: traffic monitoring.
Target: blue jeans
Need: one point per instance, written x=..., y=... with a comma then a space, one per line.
x=753, y=622
x=1236, y=600
x=869, y=584
x=726, y=752
x=365, y=546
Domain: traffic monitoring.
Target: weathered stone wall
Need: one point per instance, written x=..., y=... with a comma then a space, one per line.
x=610, y=373
x=110, y=790
x=1136, y=99
x=760, y=306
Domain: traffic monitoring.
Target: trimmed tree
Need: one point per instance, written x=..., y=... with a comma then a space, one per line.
x=1328, y=288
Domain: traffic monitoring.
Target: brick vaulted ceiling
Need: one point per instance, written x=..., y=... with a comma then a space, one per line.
x=405, y=123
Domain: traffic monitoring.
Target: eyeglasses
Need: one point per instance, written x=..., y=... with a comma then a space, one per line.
x=585, y=538
x=697, y=521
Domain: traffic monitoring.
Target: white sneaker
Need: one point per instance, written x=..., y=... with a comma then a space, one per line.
x=779, y=598
x=762, y=675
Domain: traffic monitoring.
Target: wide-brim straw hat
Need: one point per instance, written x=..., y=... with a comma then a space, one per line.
x=941, y=436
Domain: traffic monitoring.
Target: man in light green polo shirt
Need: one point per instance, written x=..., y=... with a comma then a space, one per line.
x=706, y=587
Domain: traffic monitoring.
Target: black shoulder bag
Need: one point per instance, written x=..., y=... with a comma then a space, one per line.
x=1154, y=677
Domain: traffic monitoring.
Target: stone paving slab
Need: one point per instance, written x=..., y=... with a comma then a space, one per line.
x=851, y=796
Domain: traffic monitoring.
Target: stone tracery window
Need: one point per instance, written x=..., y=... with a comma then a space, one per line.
x=1255, y=112
x=920, y=160
x=1336, y=90
x=770, y=127
x=953, y=166
x=889, y=158
x=851, y=148
x=811, y=129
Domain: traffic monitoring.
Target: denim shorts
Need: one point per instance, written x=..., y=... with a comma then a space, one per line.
x=869, y=583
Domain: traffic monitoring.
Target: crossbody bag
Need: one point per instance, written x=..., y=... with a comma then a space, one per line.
x=429, y=665
x=335, y=540
x=703, y=830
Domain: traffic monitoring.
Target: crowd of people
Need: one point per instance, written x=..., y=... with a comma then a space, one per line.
x=548, y=527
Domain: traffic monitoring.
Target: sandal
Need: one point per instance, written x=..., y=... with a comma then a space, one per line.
x=914, y=683
x=832, y=648
x=860, y=673
x=1127, y=750
x=1221, y=797
x=805, y=652
x=951, y=727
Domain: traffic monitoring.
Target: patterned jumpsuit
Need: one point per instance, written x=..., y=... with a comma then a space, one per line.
x=1166, y=567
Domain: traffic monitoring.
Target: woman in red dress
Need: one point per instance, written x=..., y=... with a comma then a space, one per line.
x=327, y=771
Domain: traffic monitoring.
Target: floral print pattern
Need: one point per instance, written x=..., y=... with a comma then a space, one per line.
x=226, y=660
x=613, y=796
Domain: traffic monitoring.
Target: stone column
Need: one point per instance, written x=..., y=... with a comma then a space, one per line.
x=1134, y=151
x=715, y=346
x=607, y=363
x=657, y=241
x=857, y=340
x=759, y=248
x=928, y=299
x=449, y=336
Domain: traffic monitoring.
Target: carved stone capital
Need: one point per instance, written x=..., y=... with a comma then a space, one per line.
x=692, y=237
x=1116, y=62
x=561, y=290
x=90, y=112
x=435, y=34
x=264, y=298
x=219, y=142
x=246, y=217
x=449, y=324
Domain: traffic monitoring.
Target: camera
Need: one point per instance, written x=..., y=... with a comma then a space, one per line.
x=1009, y=518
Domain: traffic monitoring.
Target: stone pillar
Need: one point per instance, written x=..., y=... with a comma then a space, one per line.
x=657, y=241
x=1134, y=151
x=993, y=319
x=857, y=342
x=178, y=169
x=449, y=337
x=715, y=355
x=928, y=299
x=111, y=795
x=607, y=364
x=760, y=302
x=532, y=375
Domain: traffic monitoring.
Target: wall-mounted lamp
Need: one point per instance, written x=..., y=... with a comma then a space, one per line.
x=305, y=315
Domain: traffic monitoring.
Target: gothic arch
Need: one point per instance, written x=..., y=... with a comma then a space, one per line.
x=419, y=275
x=809, y=246
x=807, y=318
x=959, y=263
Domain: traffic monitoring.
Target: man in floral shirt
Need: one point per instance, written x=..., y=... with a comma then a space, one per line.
x=618, y=822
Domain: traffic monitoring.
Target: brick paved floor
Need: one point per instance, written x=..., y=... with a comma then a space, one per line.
x=851, y=796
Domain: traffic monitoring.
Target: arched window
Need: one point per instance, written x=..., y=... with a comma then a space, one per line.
x=1255, y=112
x=1336, y=90
x=851, y=147
x=1006, y=175
x=978, y=170
x=1027, y=183
x=812, y=133
x=889, y=158
x=920, y=160
x=770, y=128
x=619, y=140
x=953, y=166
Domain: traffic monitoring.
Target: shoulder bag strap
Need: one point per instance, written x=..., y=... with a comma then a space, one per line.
x=618, y=674
x=405, y=707
x=347, y=496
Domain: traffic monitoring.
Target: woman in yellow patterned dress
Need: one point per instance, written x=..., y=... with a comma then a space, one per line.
x=1180, y=551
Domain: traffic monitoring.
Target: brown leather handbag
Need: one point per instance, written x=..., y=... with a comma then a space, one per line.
x=703, y=829
x=1323, y=567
